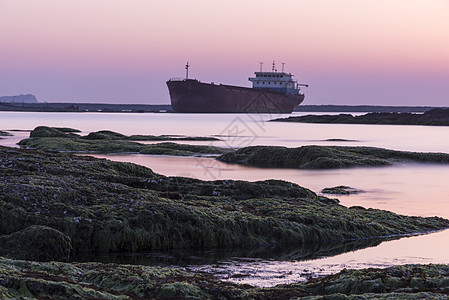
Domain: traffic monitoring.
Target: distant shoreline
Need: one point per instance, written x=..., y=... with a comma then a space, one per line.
x=160, y=108
x=85, y=107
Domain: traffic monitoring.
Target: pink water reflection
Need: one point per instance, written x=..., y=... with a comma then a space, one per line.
x=411, y=189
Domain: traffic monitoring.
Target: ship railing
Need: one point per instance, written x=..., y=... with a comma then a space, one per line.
x=177, y=79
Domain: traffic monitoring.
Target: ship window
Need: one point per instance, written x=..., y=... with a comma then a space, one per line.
x=258, y=82
x=263, y=82
x=269, y=82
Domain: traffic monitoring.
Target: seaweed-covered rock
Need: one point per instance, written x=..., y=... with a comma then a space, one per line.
x=139, y=137
x=45, y=131
x=113, y=145
x=398, y=282
x=341, y=190
x=106, y=206
x=105, y=141
x=58, y=280
x=182, y=149
x=36, y=242
x=78, y=145
x=433, y=117
x=325, y=157
x=104, y=135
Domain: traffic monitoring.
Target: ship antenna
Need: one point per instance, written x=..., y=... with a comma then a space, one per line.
x=274, y=65
x=283, y=64
x=187, y=70
x=261, y=63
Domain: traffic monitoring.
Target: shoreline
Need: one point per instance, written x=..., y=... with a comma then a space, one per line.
x=166, y=108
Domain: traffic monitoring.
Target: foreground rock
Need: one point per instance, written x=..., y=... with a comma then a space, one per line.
x=325, y=157
x=106, y=206
x=67, y=140
x=36, y=242
x=434, y=117
x=109, y=281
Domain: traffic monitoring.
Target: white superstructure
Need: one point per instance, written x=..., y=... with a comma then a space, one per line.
x=276, y=81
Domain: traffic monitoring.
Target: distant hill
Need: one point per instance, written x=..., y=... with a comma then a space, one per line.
x=19, y=99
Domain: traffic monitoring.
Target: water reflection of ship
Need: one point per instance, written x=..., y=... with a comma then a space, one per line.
x=272, y=92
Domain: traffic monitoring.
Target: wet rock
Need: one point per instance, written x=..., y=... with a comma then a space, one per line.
x=325, y=157
x=340, y=140
x=341, y=190
x=58, y=280
x=433, y=117
x=106, y=206
x=104, y=135
x=105, y=141
x=45, y=131
x=40, y=243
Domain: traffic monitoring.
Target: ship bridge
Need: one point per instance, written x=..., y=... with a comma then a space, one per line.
x=275, y=81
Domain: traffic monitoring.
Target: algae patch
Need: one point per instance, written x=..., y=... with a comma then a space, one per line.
x=341, y=190
x=105, y=206
x=36, y=242
x=110, y=281
x=433, y=117
x=66, y=140
x=326, y=157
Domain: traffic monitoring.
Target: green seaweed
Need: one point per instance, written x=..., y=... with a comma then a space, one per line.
x=433, y=117
x=105, y=141
x=182, y=149
x=105, y=135
x=56, y=280
x=326, y=157
x=341, y=190
x=106, y=206
x=45, y=131
x=36, y=243
x=78, y=145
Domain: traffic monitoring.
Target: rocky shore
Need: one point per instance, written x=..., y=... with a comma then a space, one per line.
x=105, y=206
x=433, y=117
x=326, y=157
x=305, y=157
x=57, y=280
x=56, y=207
x=105, y=141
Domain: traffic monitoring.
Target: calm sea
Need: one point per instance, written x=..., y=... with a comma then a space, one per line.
x=412, y=189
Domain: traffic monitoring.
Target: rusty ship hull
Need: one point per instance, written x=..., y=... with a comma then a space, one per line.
x=193, y=96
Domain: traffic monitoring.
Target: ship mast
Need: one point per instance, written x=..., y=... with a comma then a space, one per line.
x=187, y=70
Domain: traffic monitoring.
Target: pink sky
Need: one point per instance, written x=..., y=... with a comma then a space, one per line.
x=380, y=52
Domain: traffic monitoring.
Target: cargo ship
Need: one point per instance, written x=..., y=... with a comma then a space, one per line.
x=272, y=92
